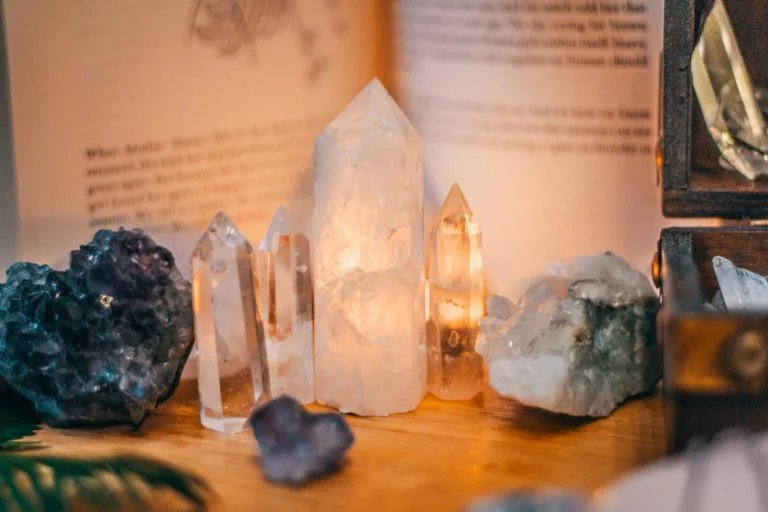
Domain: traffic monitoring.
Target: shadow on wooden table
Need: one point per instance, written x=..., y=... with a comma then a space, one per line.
x=512, y=413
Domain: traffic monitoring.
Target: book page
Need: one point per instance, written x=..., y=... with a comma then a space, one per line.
x=158, y=114
x=545, y=112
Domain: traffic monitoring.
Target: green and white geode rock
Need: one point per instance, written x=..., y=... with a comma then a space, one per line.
x=580, y=342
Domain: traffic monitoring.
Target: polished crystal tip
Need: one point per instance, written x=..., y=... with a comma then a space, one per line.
x=233, y=375
x=456, y=301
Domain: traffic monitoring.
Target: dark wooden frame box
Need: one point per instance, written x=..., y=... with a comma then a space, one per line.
x=694, y=183
x=715, y=363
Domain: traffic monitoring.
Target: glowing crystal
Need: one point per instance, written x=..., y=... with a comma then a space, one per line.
x=456, y=301
x=369, y=259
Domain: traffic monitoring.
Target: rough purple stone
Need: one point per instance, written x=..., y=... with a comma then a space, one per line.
x=296, y=445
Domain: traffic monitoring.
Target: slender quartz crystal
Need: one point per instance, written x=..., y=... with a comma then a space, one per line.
x=456, y=301
x=233, y=375
x=286, y=306
x=370, y=354
x=727, y=96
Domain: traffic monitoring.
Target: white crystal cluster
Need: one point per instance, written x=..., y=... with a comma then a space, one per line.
x=580, y=341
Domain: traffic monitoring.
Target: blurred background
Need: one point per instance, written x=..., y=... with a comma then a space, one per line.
x=158, y=114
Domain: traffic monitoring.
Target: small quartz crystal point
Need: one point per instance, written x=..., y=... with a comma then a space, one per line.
x=297, y=446
x=741, y=289
x=456, y=301
x=370, y=354
x=581, y=341
x=103, y=342
x=285, y=284
x=519, y=501
x=727, y=96
x=233, y=374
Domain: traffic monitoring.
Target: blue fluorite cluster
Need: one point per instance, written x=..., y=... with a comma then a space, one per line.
x=297, y=446
x=103, y=342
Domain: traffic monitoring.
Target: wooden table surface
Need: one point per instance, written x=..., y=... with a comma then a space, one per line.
x=439, y=457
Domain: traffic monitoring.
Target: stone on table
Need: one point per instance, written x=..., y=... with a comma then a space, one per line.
x=102, y=342
x=580, y=342
x=456, y=301
x=233, y=375
x=297, y=446
x=556, y=501
x=285, y=286
x=741, y=289
x=368, y=236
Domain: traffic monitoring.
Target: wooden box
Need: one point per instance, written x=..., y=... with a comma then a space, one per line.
x=716, y=363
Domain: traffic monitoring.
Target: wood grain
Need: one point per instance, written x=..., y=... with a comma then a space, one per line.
x=439, y=457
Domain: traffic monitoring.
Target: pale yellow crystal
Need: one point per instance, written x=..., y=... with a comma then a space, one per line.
x=456, y=300
x=233, y=375
x=727, y=96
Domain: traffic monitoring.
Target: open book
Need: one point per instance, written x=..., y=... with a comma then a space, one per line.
x=158, y=114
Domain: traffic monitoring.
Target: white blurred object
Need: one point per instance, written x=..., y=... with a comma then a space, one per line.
x=728, y=476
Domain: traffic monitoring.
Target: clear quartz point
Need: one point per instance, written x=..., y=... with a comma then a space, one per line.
x=456, y=301
x=741, y=289
x=285, y=280
x=233, y=375
x=370, y=354
x=727, y=96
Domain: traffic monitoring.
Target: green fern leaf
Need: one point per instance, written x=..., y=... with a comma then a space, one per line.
x=33, y=483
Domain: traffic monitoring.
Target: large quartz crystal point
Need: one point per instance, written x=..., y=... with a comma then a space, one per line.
x=233, y=374
x=727, y=96
x=285, y=284
x=370, y=355
x=456, y=301
x=741, y=289
x=103, y=342
x=581, y=341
